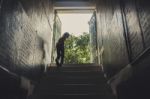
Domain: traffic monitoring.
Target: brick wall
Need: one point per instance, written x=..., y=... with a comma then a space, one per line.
x=25, y=30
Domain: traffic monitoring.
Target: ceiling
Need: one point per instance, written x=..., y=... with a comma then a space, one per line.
x=72, y=0
x=74, y=4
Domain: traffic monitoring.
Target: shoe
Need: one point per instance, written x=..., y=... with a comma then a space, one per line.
x=57, y=63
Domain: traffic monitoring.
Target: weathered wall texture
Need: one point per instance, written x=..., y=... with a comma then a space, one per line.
x=111, y=36
x=137, y=86
x=123, y=31
x=143, y=10
x=25, y=35
x=134, y=32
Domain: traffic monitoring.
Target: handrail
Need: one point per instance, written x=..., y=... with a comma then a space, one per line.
x=140, y=56
x=125, y=73
x=15, y=76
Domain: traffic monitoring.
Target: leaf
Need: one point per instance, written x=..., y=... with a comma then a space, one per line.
x=77, y=49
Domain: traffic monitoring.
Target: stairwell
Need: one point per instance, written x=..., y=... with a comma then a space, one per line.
x=82, y=81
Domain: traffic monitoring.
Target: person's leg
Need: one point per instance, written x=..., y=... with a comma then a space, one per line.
x=62, y=57
x=58, y=56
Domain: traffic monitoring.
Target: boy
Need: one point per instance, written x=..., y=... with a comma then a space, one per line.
x=60, y=49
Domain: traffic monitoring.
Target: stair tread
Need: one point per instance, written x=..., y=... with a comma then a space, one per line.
x=73, y=81
x=74, y=96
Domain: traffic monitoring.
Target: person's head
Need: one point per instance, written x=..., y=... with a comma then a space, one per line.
x=66, y=35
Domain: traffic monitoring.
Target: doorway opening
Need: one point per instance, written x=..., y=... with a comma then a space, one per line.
x=80, y=47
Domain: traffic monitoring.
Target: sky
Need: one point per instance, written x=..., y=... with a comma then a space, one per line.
x=75, y=23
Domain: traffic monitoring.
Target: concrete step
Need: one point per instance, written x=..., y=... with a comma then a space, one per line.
x=74, y=88
x=78, y=73
x=73, y=81
x=72, y=96
x=75, y=68
x=76, y=65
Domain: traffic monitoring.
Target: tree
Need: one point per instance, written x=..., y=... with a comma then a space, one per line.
x=77, y=49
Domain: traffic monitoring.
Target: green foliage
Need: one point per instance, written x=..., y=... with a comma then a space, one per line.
x=77, y=49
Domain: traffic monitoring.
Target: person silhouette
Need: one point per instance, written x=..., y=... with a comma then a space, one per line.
x=60, y=49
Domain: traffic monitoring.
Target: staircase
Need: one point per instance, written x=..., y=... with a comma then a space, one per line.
x=76, y=81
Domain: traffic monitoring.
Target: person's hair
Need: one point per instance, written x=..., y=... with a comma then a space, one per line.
x=66, y=35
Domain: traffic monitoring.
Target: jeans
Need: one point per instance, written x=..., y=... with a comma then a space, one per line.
x=60, y=56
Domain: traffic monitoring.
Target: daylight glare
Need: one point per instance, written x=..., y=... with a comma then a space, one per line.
x=75, y=23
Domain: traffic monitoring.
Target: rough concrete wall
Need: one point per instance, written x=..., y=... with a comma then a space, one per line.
x=111, y=36
x=144, y=16
x=129, y=23
x=137, y=86
x=133, y=28
x=143, y=12
x=123, y=31
x=25, y=35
